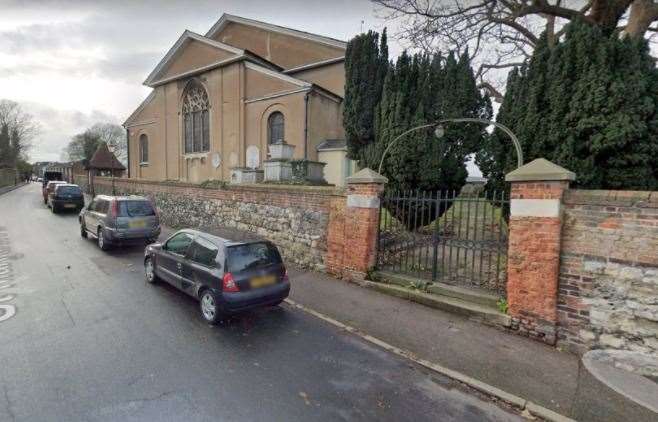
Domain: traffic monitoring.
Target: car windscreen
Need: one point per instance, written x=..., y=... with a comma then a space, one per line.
x=69, y=190
x=251, y=255
x=135, y=209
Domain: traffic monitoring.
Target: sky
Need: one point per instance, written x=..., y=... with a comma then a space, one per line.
x=73, y=63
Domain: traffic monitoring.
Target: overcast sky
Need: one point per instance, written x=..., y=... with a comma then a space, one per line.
x=73, y=63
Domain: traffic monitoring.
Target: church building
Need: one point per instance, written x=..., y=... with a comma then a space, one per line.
x=220, y=99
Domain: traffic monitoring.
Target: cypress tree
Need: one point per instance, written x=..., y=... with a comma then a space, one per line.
x=364, y=76
x=589, y=104
x=5, y=146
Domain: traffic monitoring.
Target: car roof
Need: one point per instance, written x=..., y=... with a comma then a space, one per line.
x=67, y=185
x=57, y=182
x=123, y=197
x=225, y=235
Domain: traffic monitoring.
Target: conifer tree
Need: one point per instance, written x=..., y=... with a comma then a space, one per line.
x=5, y=146
x=366, y=62
x=589, y=104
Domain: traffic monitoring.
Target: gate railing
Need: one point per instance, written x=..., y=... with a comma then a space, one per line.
x=451, y=237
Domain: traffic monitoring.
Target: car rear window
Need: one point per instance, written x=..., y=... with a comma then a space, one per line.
x=135, y=209
x=69, y=190
x=251, y=255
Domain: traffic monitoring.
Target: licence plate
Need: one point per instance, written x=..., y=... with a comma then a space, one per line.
x=69, y=205
x=262, y=281
x=138, y=224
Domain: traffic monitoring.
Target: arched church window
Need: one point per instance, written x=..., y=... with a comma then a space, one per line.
x=275, y=128
x=143, y=148
x=196, y=125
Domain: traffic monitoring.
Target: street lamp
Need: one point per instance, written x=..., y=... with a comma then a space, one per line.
x=439, y=132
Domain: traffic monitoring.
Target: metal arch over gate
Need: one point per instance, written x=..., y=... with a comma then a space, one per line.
x=455, y=238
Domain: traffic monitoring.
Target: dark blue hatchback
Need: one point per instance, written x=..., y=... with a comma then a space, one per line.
x=227, y=275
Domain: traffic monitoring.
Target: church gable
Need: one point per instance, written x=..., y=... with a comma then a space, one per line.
x=191, y=52
x=285, y=47
x=147, y=110
x=195, y=55
x=261, y=82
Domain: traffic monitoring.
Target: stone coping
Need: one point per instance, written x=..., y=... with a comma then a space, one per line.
x=627, y=198
x=540, y=170
x=318, y=190
x=366, y=176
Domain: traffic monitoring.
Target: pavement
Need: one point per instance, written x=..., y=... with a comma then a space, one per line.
x=5, y=189
x=85, y=338
x=539, y=374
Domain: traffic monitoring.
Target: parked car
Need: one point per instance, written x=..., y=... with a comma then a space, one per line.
x=120, y=220
x=226, y=275
x=48, y=188
x=39, y=179
x=66, y=196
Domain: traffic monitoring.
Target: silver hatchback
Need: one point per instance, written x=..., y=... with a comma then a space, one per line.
x=120, y=220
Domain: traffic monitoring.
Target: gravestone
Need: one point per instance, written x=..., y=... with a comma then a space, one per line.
x=216, y=160
x=253, y=157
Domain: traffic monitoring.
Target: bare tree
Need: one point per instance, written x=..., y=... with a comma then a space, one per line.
x=21, y=127
x=115, y=138
x=500, y=34
x=83, y=145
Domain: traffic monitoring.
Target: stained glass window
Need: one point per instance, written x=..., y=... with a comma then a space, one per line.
x=196, y=118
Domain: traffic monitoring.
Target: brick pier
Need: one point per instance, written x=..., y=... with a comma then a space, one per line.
x=534, y=247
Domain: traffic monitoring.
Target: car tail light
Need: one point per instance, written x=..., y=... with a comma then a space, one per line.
x=285, y=274
x=228, y=283
x=114, y=211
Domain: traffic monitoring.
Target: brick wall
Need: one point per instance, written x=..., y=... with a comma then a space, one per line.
x=352, y=235
x=608, y=280
x=296, y=218
x=533, y=258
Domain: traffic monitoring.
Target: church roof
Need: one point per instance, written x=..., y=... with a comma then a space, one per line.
x=227, y=18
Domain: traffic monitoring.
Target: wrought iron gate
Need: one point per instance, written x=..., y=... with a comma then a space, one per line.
x=454, y=238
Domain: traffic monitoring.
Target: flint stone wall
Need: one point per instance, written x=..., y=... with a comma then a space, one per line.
x=293, y=217
x=608, y=283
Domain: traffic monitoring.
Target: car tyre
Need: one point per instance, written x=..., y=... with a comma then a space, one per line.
x=149, y=271
x=102, y=242
x=209, y=308
x=83, y=231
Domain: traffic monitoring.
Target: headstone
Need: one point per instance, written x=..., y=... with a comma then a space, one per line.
x=216, y=160
x=253, y=157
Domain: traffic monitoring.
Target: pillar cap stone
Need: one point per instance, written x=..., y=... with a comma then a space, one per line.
x=367, y=176
x=540, y=170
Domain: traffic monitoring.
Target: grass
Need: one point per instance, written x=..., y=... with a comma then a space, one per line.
x=465, y=218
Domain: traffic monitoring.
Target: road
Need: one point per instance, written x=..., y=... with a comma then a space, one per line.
x=83, y=337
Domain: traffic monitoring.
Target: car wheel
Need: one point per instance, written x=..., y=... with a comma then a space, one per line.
x=83, y=231
x=102, y=243
x=209, y=310
x=149, y=271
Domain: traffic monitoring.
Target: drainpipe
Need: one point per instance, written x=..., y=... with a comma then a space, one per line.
x=306, y=124
x=128, y=149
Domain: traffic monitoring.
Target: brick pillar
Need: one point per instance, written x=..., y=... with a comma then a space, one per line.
x=353, y=225
x=534, y=247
